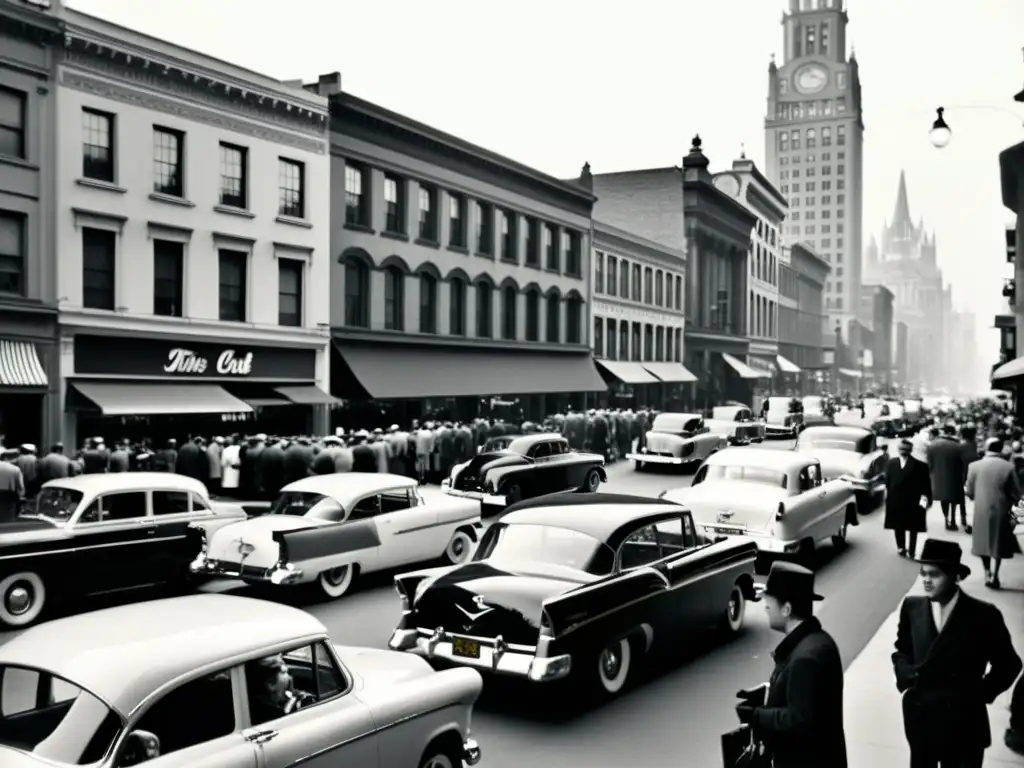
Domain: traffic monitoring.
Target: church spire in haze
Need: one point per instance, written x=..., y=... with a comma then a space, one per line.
x=902, y=225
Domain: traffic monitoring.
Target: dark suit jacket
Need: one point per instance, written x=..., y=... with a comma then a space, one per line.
x=801, y=723
x=948, y=678
x=904, y=488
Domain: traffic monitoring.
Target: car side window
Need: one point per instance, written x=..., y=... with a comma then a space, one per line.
x=651, y=543
x=394, y=501
x=194, y=713
x=199, y=504
x=540, y=450
x=700, y=477
x=128, y=505
x=278, y=685
x=170, y=502
x=366, y=507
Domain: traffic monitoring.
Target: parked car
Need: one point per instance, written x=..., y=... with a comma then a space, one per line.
x=736, y=423
x=816, y=412
x=784, y=417
x=584, y=586
x=327, y=530
x=530, y=466
x=223, y=682
x=499, y=443
x=95, y=534
x=854, y=454
x=677, y=439
x=779, y=499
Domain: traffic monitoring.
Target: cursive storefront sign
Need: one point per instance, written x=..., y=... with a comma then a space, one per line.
x=187, y=362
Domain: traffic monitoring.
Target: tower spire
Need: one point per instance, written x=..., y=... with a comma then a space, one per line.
x=902, y=225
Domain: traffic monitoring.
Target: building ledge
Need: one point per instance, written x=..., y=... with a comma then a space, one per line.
x=345, y=333
x=104, y=185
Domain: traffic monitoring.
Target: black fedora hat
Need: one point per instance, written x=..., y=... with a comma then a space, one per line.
x=791, y=583
x=944, y=554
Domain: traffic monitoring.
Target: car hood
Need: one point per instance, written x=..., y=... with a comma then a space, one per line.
x=374, y=667
x=751, y=505
x=226, y=543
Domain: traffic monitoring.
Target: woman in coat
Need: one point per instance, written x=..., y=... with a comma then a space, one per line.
x=992, y=484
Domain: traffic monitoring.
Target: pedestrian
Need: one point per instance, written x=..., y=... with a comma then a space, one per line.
x=424, y=442
x=120, y=460
x=801, y=720
x=54, y=465
x=992, y=485
x=214, y=458
x=953, y=657
x=28, y=463
x=95, y=458
x=947, y=472
x=908, y=497
x=230, y=463
x=12, y=486
x=191, y=460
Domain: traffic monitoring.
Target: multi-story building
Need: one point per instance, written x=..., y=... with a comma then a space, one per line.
x=192, y=225
x=31, y=39
x=804, y=333
x=876, y=316
x=638, y=319
x=461, y=277
x=1011, y=322
x=814, y=144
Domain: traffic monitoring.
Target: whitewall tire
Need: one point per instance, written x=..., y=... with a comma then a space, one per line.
x=735, y=610
x=460, y=548
x=337, y=581
x=439, y=759
x=22, y=599
x=613, y=665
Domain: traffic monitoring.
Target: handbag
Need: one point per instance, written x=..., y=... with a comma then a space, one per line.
x=741, y=750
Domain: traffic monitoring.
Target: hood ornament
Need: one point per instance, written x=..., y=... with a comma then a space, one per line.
x=244, y=549
x=724, y=515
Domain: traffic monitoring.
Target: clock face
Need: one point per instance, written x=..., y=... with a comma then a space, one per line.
x=811, y=79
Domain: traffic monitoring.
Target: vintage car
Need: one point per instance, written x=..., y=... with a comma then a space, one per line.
x=215, y=681
x=327, y=530
x=499, y=443
x=580, y=586
x=531, y=465
x=736, y=423
x=95, y=534
x=784, y=417
x=779, y=499
x=816, y=411
x=677, y=439
x=853, y=454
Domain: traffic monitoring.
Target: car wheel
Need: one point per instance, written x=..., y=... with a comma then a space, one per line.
x=613, y=666
x=460, y=548
x=593, y=481
x=839, y=539
x=337, y=581
x=22, y=599
x=735, y=610
x=440, y=756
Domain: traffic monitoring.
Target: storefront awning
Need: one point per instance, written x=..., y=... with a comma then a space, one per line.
x=670, y=373
x=307, y=395
x=787, y=366
x=1010, y=370
x=145, y=399
x=20, y=365
x=744, y=370
x=395, y=372
x=628, y=373
x=850, y=372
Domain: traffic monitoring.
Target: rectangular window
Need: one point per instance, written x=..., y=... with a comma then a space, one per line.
x=99, y=273
x=554, y=261
x=291, y=188
x=532, y=243
x=357, y=212
x=457, y=308
x=456, y=220
x=168, y=278
x=234, y=176
x=484, y=229
x=624, y=279
x=648, y=286
x=509, y=236
x=610, y=341
x=841, y=135
x=12, y=253
x=571, y=245
x=636, y=283
x=428, y=214
x=394, y=205
x=289, y=292
x=613, y=275
x=794, y=138
x=233, y=281
x=484, y=310
x=12, y=123
x=98, y=145
x=168, y=162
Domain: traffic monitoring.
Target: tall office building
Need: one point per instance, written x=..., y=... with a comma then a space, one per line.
x=814, y=146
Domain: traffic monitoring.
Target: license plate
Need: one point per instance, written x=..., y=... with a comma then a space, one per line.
x=468, y=649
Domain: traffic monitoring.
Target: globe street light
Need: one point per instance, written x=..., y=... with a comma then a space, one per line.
x=940, y=133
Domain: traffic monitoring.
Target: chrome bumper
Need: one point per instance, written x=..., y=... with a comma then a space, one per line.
x=470, y=752
x=483, y=498
x=496, y=656
x=652, y=458
x=280, y=574
x=764, y=542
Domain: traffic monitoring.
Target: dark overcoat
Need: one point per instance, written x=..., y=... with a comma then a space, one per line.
x=948, y=678
x=947, y=469
x=801, y=723
x=904, y=487
x=191, y=462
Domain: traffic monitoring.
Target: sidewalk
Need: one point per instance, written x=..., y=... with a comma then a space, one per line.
x=874, y=719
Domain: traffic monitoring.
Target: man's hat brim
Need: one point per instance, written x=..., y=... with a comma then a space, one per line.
x=962, y=570
x=783, y=595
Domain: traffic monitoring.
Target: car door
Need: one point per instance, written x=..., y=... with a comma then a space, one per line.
x=704, y=441
x=817, y=504
x=115, y=541
x=172, y=515
x=334, y=729
x=408, y=529
x=547, y=475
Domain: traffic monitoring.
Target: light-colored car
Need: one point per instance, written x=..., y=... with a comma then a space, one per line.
x=815, y=411
x=854, y=454
x=329, y=529
x=736, y=423
x=777, y=498
x=215, y=681
x=780, y=419
x=677, y=439
x=102, y=533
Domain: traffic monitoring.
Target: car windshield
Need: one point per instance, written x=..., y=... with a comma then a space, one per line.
x=745, y=474
x=52, y=718
x=547, y=544
x=675, y=423
x=305, y=504
x=58, y=504
x=827, y=444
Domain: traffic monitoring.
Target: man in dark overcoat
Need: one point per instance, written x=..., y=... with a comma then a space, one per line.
x=800, y=721
x=906, y=483
x=191, y=460
x=953, y=658
x=948, y=472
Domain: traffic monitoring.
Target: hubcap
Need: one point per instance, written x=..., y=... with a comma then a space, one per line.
x=336, y=576
x=610, y=662
x=458, y=547
x=734, y=607
x=19, y=600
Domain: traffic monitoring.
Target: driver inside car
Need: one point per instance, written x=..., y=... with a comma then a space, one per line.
x=272, y=692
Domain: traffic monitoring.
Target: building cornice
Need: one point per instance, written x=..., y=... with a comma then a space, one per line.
x=620, y=238
x=26, y=22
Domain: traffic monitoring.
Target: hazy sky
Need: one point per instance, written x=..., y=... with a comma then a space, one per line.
x=626, y=85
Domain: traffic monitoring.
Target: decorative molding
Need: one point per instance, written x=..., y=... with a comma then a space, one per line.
x=638, y=314
x=160, y=231
x=194, y=113
x=306, y=250
x=104, y=185
x=103, y=220
x=230, y=240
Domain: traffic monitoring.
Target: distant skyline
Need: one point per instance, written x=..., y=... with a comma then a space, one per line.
x=554, y=85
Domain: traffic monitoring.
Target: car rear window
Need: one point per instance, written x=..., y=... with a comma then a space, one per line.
x=760, y=475
x=305, y=504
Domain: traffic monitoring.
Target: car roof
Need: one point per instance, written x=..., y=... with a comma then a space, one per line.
x=124, y=654
x=522, y=443
x=851, y=431
x=605, y=516
x=769, y=458
x=680, y=416
x=350, y=484
x=128, y=481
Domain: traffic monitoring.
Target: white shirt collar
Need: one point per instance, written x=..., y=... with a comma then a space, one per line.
x=940, y=613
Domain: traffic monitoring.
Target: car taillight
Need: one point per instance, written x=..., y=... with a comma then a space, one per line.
x=545, y=625
x=781, y=511
x=402, y=596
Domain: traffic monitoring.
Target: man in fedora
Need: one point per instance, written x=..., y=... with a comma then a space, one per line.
x=953, y=658
x=801, y=719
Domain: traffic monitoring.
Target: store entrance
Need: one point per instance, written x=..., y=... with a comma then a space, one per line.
x=21, y=419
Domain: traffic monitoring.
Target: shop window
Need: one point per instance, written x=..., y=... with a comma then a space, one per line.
x=533, y=315
x=624, y=340
x=457, y=307
x=610, y=341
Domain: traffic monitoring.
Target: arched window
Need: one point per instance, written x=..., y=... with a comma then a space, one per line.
x=598, y=340
x=357, y=294
x=648, y=343
x=509, y=316
x=394, y=299
x=457, y=307
x=532, y=315
x=635, y=293
x=574, y=320
x=554, y=318
x=428, y=303
x=484, y=310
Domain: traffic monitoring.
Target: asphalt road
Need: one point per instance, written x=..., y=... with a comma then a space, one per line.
x=675, y=716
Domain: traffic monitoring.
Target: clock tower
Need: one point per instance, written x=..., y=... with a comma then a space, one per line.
x=814, y=132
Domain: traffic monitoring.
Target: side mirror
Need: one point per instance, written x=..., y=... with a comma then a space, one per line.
x=139, y=746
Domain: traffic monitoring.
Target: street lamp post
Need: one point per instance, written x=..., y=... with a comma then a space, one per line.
x=941, y=134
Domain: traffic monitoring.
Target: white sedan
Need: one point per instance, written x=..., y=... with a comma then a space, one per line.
x=328, y=529
x=215, y=681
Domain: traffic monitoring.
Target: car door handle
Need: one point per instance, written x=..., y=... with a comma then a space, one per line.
x=258, y=735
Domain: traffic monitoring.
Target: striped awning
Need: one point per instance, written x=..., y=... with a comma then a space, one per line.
x=20, y=365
